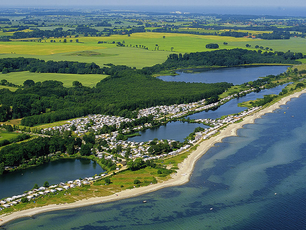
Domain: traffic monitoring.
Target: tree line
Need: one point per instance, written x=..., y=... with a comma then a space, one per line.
x=122, y=92
x=224, y=57
x=41, y=149
x=229, y=58
x=20, y=137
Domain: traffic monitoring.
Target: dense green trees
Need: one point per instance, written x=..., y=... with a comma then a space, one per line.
x=40, y=66
x=120, y=94
x=124, y=91
x=20, y=137
x=37, y=33
x=228, y=58
x=212, y=46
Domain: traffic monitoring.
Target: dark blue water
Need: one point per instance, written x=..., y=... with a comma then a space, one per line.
x=232, y=107
x=253, y=181
x=172, y=131
x=16, y=183
x=235, y=75
x=179, y=130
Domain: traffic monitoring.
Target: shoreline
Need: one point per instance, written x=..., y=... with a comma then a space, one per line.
x=181, y=177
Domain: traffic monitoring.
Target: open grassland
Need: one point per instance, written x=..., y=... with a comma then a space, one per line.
x=119, y=182
x=302, y=60
x=133, y=57
x=300, y=67
x=202, y=30
x=292, y=44
x=12, y=122
x=45, y=48
x=50, y=125
x=5, y=34
x=18, y=78
x=4, y=135
x=13, y=89
x=159, y=47
x=183, y=43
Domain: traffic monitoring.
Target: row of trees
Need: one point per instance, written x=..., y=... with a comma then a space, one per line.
x=20, y=137
x=274, y=35
x=228, y=58
x=41, y=149
x=40, y=66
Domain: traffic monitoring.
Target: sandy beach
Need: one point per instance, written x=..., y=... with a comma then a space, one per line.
x=181, y=177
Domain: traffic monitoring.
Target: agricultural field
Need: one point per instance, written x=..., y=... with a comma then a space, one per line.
x=18, y=78
x=138, y=49
x=134, y=57
x=13, y=89
x=181, y=43
x=4, y=135
x=292, y=44
x=159, y=47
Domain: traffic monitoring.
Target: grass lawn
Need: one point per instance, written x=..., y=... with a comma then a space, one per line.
x=18, y=78
x=12, y=122
x=4, y=135
x=183, y=43
x=88, y=50
x=50, y=125
x=13, y=89
x=121, y=181
x=133, y=57
x=292, y=44
x=159, y=47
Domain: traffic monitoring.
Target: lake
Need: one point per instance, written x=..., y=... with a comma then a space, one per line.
x=235, y=75
x=177, y=130
x=17, y=182
x=180, y=130
x=255, y=180
x=231, y=107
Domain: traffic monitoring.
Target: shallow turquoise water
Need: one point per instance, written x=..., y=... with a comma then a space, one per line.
x=252, y=181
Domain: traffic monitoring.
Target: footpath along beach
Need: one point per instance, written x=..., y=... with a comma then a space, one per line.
x=179, y=178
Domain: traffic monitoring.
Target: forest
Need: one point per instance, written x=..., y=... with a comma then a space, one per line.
x=122, y=92
x=41, y=149
x=225, y=58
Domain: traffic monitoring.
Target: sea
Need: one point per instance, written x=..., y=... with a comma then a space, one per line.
x=255, y=180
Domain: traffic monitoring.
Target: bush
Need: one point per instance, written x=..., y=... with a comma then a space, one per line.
x=137, y=181
x=107, y=180
x=212, y=46
x=24, y=200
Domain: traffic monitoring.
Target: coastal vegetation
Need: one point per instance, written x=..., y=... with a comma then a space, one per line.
x=52, y=74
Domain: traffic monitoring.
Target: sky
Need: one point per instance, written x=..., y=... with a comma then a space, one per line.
x=202, y=3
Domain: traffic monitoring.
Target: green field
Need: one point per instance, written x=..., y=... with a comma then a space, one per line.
x=7, y=135
x=88, y=50
x=18, y=78
x=292, y=44
x=132, y=57
x=13, y=89
x=183, y=43
x=159, y=46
